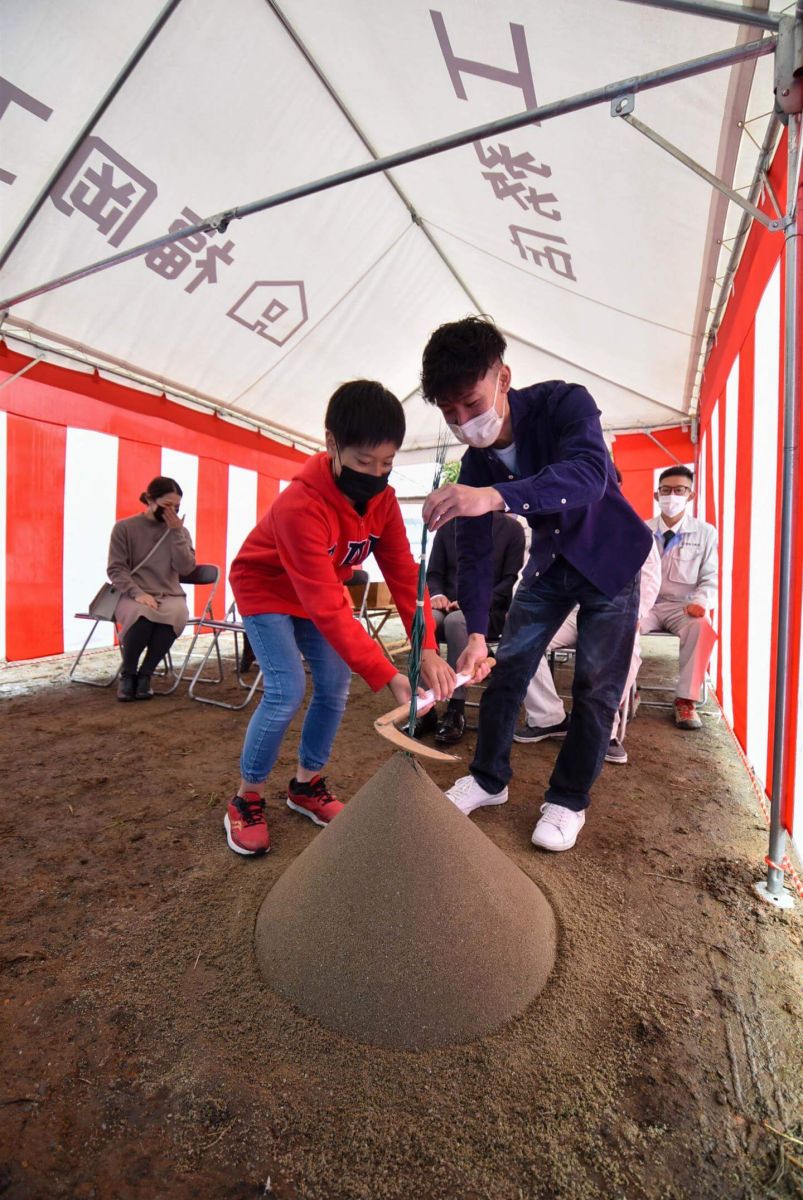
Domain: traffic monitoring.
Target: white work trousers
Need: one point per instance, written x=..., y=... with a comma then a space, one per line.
x=542, y=704
x=697, y=639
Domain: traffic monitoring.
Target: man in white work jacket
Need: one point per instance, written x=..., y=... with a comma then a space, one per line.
x=689, y=567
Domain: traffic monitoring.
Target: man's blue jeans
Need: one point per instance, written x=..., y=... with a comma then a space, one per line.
x=278, y=642
x=606, y=630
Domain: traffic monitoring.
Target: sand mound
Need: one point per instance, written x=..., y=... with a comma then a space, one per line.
x=402, y=924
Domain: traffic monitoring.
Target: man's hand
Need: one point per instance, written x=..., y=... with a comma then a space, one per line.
x=440, y=604
x=457, y=500
x=472, y=660
x=148, y=601
x=437, y=674
x=695, y=610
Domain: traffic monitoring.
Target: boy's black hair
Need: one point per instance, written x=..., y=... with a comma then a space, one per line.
x=457, y=355
x=162, y=485
x=679, y=470
x=364, y=413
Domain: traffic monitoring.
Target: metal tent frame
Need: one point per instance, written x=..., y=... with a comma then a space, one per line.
x=785, y=41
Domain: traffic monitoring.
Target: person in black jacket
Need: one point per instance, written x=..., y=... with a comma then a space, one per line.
x=450, y=623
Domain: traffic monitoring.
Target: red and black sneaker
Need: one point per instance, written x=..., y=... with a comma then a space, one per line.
x=313, y=800
x=245, y=825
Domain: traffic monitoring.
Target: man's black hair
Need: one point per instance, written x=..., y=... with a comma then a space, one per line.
x=364, y=413
x=679, y=470
x=457, y=355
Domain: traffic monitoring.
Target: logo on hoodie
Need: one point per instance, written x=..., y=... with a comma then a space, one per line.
x=357, y=552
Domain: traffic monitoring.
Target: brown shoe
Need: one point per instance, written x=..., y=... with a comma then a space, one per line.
x=686, y=716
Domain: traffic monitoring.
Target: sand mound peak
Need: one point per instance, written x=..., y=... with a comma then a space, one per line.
x=402, y=924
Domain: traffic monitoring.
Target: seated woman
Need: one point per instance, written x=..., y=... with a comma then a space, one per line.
x=147, y=554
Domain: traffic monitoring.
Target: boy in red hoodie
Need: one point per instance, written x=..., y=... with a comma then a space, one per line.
x=288, y=583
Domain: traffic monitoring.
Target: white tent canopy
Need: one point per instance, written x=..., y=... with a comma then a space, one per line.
x=595, y=251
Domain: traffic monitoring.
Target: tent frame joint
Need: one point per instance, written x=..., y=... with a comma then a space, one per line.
x=623, y=108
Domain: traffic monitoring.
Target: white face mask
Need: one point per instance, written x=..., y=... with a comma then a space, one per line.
x=672, y=505
x=481, y=431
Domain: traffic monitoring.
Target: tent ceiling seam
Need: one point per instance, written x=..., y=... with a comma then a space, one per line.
x=740, y=88
x=117, y=84
x=594, y=374
x=666, y=75
x=325, y=316
x=623, y=312
x=358, y=130
x=95, y=360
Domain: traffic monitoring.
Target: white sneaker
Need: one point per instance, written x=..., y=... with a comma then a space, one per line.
x=558, y=827
x=466, y=794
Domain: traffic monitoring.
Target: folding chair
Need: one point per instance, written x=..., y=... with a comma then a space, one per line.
x=230, y=624
x=204, y=574
x=627, y=706
x=668, y=687
x=472, y=725
x=374, y=607
x=83, y=679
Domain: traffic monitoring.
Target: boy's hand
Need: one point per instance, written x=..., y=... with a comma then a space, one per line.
x=400, y=687
x=472, y=660
x=458, y=500
x=437, y=674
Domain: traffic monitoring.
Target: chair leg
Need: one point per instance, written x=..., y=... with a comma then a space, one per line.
x=83, y=679
x=178, y=676
x=197, y=678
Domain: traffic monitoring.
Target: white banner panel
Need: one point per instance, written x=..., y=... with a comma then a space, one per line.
x=241, y=515
x=762, y=523
x=90, y=511
x=726, y=534
x=3, y=520
x=713, y=439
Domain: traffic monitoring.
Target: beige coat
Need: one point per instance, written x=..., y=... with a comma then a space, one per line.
x=131, y=540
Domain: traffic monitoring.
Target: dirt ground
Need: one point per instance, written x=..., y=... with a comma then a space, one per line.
x=142, y=1057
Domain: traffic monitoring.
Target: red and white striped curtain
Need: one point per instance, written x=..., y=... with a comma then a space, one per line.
x=75, y=453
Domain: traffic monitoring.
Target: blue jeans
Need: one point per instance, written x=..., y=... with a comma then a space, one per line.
x=278, y=642
x=606, y=630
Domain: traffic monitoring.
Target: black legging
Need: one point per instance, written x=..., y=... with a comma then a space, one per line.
x=154, y=636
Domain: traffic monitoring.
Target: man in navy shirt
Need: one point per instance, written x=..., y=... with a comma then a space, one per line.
x=538, y=453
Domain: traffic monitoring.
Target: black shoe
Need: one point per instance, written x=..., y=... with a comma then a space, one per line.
x=537, y=733
x=424, y=725
x=451, y=727
x=126, y=687
x=144, y=690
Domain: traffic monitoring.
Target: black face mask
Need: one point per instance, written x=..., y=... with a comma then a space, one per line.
x=358, y=486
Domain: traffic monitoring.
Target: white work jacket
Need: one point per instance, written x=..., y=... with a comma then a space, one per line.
x=689, y=569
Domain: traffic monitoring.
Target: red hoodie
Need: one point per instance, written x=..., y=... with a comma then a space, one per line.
x=308, y=543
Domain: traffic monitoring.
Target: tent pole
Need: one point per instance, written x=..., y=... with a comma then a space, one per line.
x=721, y=12
x=544, y=112
x=87, y=128
x=754, y=195
x=784, y=731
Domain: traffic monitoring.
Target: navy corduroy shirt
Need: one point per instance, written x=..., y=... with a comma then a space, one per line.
x=567, y=490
